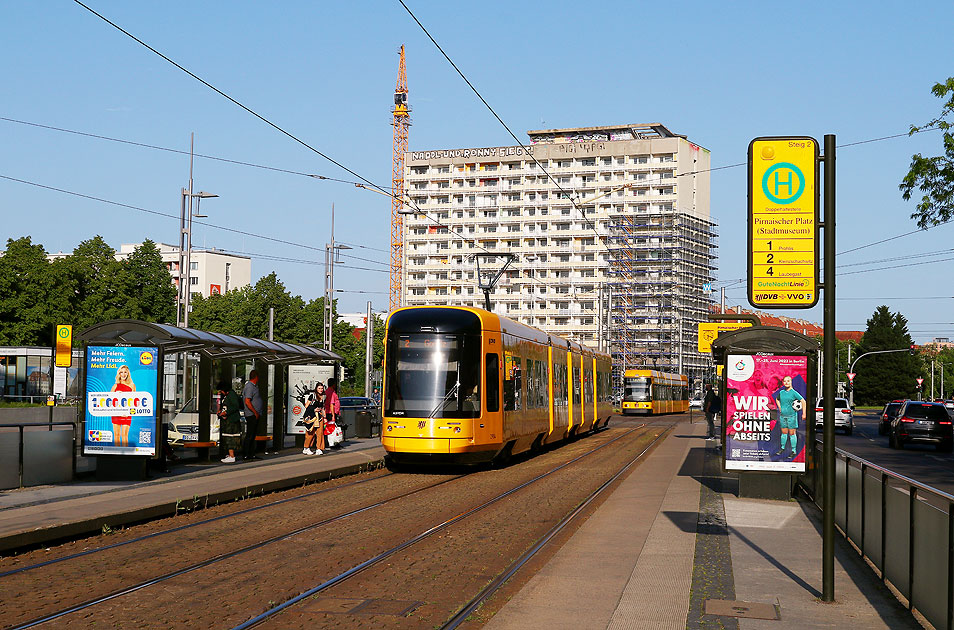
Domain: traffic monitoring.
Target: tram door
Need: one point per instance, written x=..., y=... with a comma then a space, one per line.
x=489, y=426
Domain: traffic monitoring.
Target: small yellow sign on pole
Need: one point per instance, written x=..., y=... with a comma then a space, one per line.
x=708, y=331
x=783, y=222
x=64, y=346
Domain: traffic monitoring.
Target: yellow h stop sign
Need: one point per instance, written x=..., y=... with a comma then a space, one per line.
x=783, y=222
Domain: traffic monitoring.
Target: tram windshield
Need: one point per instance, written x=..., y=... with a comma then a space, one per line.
x=432, y=375
x=637, y=389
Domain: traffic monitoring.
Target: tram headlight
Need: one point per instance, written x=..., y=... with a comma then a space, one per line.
x=390, y=428
x=456, y=429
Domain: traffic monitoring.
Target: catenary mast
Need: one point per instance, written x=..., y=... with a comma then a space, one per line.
x=401, y=122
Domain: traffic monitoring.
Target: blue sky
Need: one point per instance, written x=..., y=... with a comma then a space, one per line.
x=721, y=73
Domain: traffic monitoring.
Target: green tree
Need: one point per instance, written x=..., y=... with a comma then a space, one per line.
x=91, y=285
x=27, y=295
x=144, y=282
x=886, y=377
x=934, y=176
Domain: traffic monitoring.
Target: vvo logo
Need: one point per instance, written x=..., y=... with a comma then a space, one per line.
x=421, y=424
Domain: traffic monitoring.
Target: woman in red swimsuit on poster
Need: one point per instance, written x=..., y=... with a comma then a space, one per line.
x=124, y=383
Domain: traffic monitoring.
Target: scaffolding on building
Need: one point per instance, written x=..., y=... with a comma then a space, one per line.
x=661, y=266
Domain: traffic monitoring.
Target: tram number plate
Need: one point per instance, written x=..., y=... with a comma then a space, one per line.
x=190, y=437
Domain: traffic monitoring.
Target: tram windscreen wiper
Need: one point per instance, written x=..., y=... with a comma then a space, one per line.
x=451, y=392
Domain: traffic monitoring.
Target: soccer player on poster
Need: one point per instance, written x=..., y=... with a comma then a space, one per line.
x=791, y=405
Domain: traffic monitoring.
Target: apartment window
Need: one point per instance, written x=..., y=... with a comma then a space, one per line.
x=443, y=169
x=588, y=161
x=193, y=266
x=193, y=279
x=607, y=161
x=641, y=159
x=419, y=170
x=564, y=163
x=562, y=226
x=513, y=228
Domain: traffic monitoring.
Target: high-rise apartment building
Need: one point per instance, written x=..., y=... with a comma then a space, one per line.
x=610, y=228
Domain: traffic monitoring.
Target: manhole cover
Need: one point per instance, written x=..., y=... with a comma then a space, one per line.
x=360, y=606
x=746, y=610
x=335, y=605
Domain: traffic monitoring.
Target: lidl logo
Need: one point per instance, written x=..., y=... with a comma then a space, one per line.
x=146, y=358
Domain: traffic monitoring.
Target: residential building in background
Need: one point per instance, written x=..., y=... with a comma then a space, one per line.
x=615, y=248
x=213, y=271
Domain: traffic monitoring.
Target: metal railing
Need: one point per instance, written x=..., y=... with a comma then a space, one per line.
x=904, y=528
x=40, y=458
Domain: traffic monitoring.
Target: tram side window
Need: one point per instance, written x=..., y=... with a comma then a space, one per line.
x=512, y=386
x=518, y=382
x=543, y=392
x=576, y=385
x=493, y=382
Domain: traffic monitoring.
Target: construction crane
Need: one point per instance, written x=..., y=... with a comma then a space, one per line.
x=401, y=122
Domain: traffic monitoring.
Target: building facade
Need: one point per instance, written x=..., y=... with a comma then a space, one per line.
x=609, y=228
x=212, y=271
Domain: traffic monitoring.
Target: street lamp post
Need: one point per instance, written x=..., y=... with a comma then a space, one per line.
x=331, y=252
x=185, y=267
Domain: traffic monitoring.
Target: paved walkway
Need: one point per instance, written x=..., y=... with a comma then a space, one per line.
x=633, y=563
x=670, y=540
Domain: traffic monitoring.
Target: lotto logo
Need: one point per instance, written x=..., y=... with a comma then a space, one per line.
x=145, y=436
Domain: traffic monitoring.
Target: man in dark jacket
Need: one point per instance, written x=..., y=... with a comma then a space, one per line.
x=711, y=405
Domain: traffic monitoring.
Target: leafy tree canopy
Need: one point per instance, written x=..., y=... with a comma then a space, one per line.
x=884, y=377
x=934, y=176
x=83, y=289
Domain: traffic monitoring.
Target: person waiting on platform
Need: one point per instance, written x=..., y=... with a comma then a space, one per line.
x=230, y=423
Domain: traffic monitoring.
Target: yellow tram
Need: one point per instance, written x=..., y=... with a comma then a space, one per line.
x=652, y=392
x=465, y=385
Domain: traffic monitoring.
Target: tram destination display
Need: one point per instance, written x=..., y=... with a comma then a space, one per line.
x=121, y=400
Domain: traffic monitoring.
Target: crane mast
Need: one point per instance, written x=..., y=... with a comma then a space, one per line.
x=401, y=121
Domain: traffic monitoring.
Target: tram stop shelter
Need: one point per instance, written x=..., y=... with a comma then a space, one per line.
x=762, y=344
x=212, y=348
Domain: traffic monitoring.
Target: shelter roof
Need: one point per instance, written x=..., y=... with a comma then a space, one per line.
x=171, y=338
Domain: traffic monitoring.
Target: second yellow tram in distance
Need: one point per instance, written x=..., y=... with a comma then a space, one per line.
x=652, y=392
x=464, y=385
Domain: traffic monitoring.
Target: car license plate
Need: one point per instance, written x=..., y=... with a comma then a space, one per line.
x=191, y=437
x=926, y=423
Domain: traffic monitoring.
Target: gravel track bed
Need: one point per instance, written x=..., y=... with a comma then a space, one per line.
x=99, y=574
x=436, y=576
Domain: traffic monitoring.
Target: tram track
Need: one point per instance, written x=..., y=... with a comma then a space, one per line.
x=89, y=603
x=180, y=528
x=75, y=612
x=272, y=613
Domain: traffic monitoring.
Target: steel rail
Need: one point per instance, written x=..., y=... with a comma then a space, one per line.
x=341, y=577
x=502, y=579
x=225, y=556
x=87, y=552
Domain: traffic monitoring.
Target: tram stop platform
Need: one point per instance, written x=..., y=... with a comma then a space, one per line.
x=673, y=546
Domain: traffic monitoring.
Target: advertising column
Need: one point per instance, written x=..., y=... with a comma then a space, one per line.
x=121, y=394
x=766, y=413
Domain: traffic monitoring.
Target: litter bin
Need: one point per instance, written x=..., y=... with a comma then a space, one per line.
x=362, y=424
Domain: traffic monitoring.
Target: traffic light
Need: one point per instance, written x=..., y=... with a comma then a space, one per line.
x=912, y=349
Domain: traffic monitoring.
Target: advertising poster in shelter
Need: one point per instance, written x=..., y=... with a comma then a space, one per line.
x=301, y=387
x=121, y=400
x=766, y=412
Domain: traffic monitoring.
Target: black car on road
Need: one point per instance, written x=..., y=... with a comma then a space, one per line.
x=923, y=423
x=887, y=415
